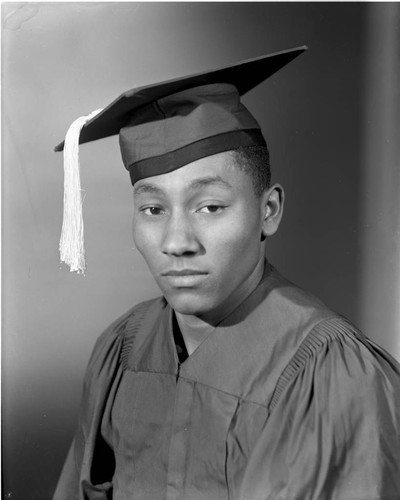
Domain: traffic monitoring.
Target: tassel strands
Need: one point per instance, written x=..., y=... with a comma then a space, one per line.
x=72, y=248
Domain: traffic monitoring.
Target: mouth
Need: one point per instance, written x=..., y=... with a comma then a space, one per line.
x=184, y=278
x=184, y=272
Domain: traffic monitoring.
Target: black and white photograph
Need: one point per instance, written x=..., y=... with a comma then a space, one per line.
x=200, y=250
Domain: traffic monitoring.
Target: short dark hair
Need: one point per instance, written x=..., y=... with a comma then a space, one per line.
x=254, y=160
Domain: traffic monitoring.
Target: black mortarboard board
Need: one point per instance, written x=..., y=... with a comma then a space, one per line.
x=244, y=75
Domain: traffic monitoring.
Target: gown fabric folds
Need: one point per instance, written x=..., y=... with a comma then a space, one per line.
x=284, y=400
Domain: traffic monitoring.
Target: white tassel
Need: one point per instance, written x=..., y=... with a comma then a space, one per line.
x=72, y=248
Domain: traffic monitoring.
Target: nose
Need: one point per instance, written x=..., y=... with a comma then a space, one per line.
x=179, y=237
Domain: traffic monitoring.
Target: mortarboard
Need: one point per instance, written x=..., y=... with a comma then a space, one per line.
x=165, y=126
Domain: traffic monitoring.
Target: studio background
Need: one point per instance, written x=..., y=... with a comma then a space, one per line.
x=331, y=119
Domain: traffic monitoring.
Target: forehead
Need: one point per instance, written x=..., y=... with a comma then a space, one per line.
x=219, y=171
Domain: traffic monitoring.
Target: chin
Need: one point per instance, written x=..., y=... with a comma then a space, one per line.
x=187, y=303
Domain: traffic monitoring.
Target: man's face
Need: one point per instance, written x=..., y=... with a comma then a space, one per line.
x=199, y=230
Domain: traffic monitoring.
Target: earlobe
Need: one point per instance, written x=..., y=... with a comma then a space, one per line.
x=273, y=201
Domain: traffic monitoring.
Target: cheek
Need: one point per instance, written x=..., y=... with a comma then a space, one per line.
x=145, y=240
x=138, y=236
x=237, y=238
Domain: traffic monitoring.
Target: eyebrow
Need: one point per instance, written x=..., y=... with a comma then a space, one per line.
x=212, y=180
x=209, y=181
x=147, y=188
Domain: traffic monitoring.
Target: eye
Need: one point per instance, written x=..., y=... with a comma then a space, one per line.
x=211, y=209
x=152, y=211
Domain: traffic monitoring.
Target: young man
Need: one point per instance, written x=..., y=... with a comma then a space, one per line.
x=235, y=384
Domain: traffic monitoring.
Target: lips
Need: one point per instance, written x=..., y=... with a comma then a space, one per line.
x=184, y=278
x=183, y=272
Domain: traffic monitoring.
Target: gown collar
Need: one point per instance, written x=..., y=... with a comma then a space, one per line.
x=231, y=342
x=246, y=353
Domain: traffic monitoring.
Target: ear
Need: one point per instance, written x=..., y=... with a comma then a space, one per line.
x=272, y=206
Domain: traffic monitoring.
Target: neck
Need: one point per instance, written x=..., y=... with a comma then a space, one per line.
x=194, y=329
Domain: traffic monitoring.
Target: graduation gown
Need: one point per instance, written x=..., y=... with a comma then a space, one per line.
x=285, y=400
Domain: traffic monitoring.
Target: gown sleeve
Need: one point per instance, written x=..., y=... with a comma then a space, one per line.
x=84, y=475
x=334, y=427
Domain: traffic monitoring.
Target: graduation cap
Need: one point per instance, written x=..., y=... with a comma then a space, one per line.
x=165, y=126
